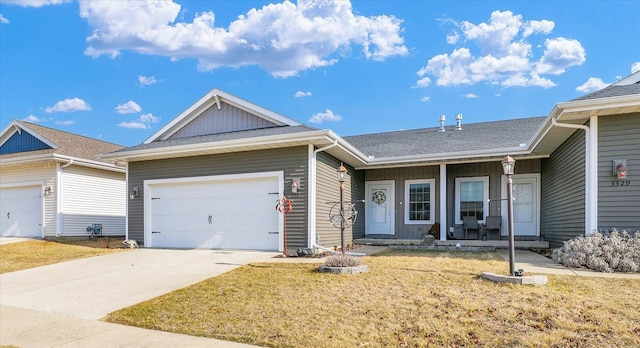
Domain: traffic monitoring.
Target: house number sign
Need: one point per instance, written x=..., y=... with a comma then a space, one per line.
x=620, y=183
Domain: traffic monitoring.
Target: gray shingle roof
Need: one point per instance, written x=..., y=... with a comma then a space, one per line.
x=613, y=91
x=427, y=141
x=69, y=144
x=213, y=138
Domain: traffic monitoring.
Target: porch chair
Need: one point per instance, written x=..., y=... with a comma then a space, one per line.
x=470, y=223
x=493, y=223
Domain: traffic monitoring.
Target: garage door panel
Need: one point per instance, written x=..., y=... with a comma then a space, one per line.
x=21, y=211
x=236, y=214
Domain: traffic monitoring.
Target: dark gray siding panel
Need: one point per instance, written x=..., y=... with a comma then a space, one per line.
x=619, y=138
x=293, y=161
x=562, y=195
x=227, y=119
x=400, y=175
x=328, y=190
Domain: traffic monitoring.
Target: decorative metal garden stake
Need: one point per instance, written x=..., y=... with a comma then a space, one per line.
x=342, y=173
x=284, y=205
x=508, y=164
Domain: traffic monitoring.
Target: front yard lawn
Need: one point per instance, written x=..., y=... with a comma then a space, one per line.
x=408, y=298
x=29, y=254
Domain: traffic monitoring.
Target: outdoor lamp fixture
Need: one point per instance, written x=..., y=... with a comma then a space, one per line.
x=133, y=193
x=508, y=164
x=47, y=190
x=295, y=184
x=342, y=175
x=620, y=169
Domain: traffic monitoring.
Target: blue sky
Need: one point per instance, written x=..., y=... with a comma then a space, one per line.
x=119, y=71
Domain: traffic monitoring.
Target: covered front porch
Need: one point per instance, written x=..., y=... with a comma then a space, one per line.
x=497, y=244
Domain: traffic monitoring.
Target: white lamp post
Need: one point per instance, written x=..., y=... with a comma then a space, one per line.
x=508, y=164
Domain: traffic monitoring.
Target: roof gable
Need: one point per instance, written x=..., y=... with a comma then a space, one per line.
x=220, y=112
x=16, y=140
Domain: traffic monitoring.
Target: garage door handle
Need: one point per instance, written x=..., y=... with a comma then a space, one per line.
x=8, y=215
x=274, y=232
x=210, y=217
x=155, y=231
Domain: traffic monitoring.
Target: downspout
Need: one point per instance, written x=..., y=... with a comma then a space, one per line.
x=312, y=191
x=58, y=192
x=591, y=198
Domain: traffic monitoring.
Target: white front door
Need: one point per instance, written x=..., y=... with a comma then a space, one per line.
x=379, y=218
x=526, y=205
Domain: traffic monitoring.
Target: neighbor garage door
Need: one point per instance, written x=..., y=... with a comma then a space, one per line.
x=21, y=211
x=233, y=214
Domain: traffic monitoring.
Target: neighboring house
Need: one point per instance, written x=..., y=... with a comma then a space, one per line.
x=211, y=177
x=53, y=184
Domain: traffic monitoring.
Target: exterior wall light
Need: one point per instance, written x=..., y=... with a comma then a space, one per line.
x=47, y=190
x=295, y=185
x=133, y=193
x=620, y=169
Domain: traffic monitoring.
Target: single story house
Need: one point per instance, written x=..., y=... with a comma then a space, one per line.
x=210, y=178
x=53, y=184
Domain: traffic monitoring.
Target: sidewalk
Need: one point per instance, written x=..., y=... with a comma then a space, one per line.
x=535, y=263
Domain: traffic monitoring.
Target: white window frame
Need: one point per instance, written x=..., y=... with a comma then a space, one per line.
x=407, y=205
x=485, y=200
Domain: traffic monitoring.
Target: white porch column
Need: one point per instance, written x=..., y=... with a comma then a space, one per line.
x=591, y=177
x=443, y=201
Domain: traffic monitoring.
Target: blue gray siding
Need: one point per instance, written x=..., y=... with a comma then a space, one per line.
x=619, y=201
x=562, y=194
x=328, y=190
x=227, y=119
x=21, y=142
x=292, y=161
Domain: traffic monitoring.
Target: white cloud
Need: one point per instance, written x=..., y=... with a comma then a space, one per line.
x=635, y=67
x=425, y=99
x=142, y=122
x=260, y=37
x=300, y=94
x=34, y=3
x=32, y=119
x=69, y=105
x=593, y=84
x=504, y=56
x=129, y=107
x=132, y=125
x=146, y=80
x=328, y=115
x=469, y=96
x=3, y=20
x=452, y=39
x=65, y=123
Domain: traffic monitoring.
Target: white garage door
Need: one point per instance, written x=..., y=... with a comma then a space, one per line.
x=229, y=214
x=21, y=211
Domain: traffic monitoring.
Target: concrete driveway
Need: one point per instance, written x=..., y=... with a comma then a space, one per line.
x=91, y=288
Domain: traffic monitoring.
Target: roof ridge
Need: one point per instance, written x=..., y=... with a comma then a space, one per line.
x=31, y=124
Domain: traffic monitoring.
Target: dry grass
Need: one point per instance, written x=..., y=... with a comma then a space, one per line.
x=408, y=299
x=29, y=254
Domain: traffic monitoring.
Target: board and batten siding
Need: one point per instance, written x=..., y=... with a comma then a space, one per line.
x=562, y=192
x=44, y=172
x=292, y=161
x=400, y=175
x=228, y=119
x=92, y=196
x=619, y=201
x=328, y=192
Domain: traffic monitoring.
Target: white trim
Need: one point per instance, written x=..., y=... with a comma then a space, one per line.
x=58, y=193
x=391, y=199
x=485, y=199
x=432, y=201
x=126, y=206
x=148, y=195
x=591, y=177
x=503, y=202
x=443, y=201
x=23, y=183
x=311, y=194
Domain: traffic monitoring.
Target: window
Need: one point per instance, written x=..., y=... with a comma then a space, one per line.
x=419, y=208
x=472, y=195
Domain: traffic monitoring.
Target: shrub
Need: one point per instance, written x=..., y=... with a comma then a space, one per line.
x=603, y=251
x=339, y=260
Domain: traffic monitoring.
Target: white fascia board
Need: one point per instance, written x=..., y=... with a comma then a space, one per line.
x=629, y=80
x=595, y=104
x=61, y=158
x=15, y=124
x=213, y=97
x=448, y=156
